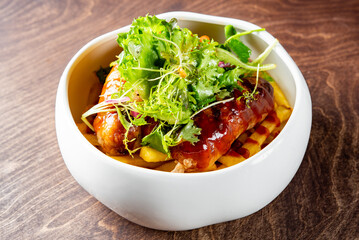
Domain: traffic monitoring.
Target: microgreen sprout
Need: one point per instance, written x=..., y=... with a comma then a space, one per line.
x=211, y=105
x=250, y=96
x=265, y=53
x=179, y=53
x=176, y=76
x=242, y=34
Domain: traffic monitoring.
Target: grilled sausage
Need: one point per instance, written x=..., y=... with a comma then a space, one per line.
x=222, y=124
x=108, y=128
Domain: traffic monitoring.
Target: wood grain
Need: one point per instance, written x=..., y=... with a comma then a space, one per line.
x=39, y=198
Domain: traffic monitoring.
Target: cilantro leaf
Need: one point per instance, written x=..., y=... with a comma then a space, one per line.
x=156, y=140
x=229, y=31
x=236, y=45
x=239, y=48
x=204, y=93
x=190, y=132
x=229, y=80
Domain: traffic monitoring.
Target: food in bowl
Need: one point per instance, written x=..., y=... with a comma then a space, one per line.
x=173, y=201
x=174, y=101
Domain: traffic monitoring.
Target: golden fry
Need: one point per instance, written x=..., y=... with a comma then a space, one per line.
x=283, y=113
x=137, y=161
x=279, y=96
x=253, y=144
x=221, y=166
x=228, y=161
x=243, y=137
x=211, y=168
x=167, y=166
x=152, y=155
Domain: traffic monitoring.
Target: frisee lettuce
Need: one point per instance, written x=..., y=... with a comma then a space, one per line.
x=176, y=77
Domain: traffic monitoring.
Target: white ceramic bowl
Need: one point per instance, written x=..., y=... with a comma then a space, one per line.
x=175, y=201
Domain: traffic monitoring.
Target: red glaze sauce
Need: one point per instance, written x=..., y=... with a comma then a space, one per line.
x=250, y=140
x=262, y=131
x=244, y=152
x=272, y=117
x=223, y=123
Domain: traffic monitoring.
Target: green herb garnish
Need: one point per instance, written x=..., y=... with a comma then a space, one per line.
x=177, y=76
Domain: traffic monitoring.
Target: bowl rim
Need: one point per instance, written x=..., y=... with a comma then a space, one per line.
x=298, y=80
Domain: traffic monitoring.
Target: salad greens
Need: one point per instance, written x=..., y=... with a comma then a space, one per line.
x=176, y=75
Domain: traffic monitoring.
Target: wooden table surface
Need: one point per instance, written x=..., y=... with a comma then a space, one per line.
x=40, y=199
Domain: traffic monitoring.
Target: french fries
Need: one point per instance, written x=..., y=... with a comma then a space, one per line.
x=211, y=168
x=247, y=144
x=279, y=96
x=228, y=161
x=283, y=113
x=254, y=142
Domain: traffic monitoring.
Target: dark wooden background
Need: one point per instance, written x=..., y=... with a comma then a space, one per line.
x=39, y=199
